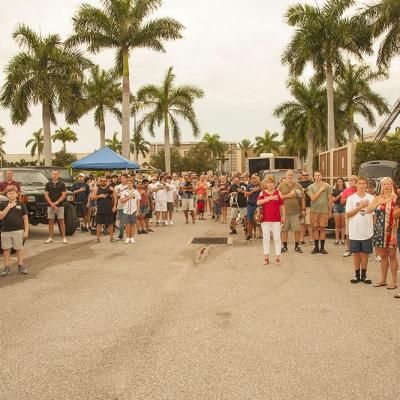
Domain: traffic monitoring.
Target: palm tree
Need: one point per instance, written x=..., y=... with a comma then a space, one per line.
x=102, y=93
x=384, y=18
x=46, y=73
x=167, y=102
x=36, y=144
x=123, y=25
x=322, y=35
x=267, y=143
x=3, y=133
x=355, y=96
x=139, y=145
x=245, y=146
x=114, y=144
x=303, y=118
x=213, y=145
x=64, y=136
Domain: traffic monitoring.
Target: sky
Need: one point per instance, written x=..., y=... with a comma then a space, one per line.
x=231, y=49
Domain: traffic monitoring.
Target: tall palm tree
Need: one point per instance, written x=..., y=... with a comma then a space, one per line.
x=36, y=144
x=64, y=136
x=267, y=143
x=384, y=17
x=102, y=92
x=46, y=73
x=138, y=144
x=3, y=134
x=245, y=146
x=114, y=144
x=166, y=103
x=323, y=34
x=123, y=25
x=213, y=145
x=303, y=118
x=355, y=96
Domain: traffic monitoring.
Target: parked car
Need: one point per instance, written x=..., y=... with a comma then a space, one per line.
x=32, y=182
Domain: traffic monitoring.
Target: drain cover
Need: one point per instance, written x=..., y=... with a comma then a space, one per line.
x=211, y=240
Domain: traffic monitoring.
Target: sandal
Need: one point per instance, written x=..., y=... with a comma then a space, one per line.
x=278, y=261
x=391, y=287
x=380, y=284
x=266, y=260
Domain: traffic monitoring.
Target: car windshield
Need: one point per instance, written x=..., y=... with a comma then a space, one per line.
x=64, y=174
x=376, y=172
x=30, y=178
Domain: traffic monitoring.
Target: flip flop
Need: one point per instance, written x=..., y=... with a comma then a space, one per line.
x=379, y=284
x=391, y=287
x=266, y=261
x=278, y=261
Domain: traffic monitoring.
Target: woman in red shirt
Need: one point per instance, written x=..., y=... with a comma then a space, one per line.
x=271, y=201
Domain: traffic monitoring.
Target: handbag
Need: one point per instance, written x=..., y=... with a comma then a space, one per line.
x=259, y=215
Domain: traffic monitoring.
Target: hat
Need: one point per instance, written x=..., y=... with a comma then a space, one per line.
x=81, y=174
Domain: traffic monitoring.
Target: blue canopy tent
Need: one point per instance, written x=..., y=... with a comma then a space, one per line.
x=104, y=159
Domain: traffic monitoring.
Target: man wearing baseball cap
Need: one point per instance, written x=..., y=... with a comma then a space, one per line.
x=295, y=207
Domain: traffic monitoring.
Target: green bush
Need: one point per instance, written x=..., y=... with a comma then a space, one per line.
x=376, y=151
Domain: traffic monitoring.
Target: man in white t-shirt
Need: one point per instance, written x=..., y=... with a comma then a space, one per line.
x=361, y=229
x=161, y=199
x=118, y=190
x=171, y=195
x=130, y=200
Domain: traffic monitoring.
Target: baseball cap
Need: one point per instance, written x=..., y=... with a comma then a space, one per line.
x=81, y=174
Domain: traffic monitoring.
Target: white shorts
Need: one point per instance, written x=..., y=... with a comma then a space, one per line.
x=161, y=206
x=187, y=204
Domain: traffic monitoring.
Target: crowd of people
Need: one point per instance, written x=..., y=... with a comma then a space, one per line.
x=120, y=206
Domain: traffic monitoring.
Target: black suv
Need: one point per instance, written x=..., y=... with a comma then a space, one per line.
x=65, y=176
x=32, y=182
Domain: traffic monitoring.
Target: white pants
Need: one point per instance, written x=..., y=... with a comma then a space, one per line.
x=275, y=228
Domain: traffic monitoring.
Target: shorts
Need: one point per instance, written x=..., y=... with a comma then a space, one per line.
x=250, y=212
x=170, y=206
x=361, y=246
x=149, y=214
x=306, y=219
x=236, y=210
x=93, y=203
x=81, y=209
x=12, y=240
x=53, y=213
x=339, y=209
x=161, y=206
x=292, y=222
x=144, y=209
x=187, y=204
x=319, y=220
x=105, y=219
x=129, y=219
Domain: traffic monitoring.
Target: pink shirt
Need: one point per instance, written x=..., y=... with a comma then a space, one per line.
x=271, y=209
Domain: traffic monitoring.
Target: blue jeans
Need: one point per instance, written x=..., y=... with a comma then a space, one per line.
x=217, y=209
x=121, y=221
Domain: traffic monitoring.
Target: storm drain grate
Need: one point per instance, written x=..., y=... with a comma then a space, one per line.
x=210, y=240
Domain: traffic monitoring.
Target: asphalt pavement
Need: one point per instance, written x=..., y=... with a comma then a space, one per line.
x=164, y=319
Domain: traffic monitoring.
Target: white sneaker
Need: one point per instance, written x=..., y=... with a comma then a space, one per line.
x=65, y=241
x=49, y=240
x=132, y=240
x=127, y=240
x=378, y=258
x=171, y=223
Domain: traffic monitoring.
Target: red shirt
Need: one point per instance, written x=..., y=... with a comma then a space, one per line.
x=347, y=193
x=271, y=209
x=4, y=185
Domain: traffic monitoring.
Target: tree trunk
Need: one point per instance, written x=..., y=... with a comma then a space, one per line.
x=167, y=147
x=38, y=156
x=351, y=127
x=102, y=127
x=125, y=105
x=310, y=149
x=331, y=107
x=46, y=133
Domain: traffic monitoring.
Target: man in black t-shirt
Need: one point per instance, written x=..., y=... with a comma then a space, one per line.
x=238, y=203
x=55, y=194
x=15, y=228
x=81, y=191
x=305, y=182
